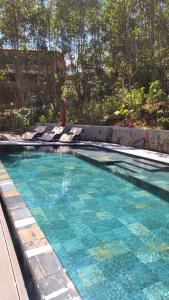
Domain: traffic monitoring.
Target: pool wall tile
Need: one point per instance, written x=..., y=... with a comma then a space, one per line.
x=50, y=279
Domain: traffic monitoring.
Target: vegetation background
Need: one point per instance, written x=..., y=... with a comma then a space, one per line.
x=117, y=56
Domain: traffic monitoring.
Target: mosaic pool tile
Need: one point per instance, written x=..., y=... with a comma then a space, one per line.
x=149, y=256
x=140, y=277
x=80, y=230
x=153, y=243
x=80, y=258
x=90, y=275
x=127, y=219
x=132, y=241
x=162, y=233
x=103, y=225
x=139, y=296
x=130, y=273
x=109, y=290
x=103, y=215
x=109, y=250
x=73, y=245
x=89, y=243
x=161, y=268
x=152, y=223
x=157, y=291
x=85, y=197
x=105, y=237
x=38, y=211
x=138, y=229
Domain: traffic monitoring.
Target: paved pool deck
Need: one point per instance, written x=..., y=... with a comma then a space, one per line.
x=11, y=281
x=144, y=153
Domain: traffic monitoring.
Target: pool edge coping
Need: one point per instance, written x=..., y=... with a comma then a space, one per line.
x=50, y=278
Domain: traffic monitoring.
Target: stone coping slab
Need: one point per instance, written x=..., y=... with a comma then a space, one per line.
x=50, y=279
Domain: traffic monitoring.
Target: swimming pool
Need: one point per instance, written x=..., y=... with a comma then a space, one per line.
x=111, y=236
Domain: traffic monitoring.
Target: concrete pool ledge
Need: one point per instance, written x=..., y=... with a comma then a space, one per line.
x=49, y=278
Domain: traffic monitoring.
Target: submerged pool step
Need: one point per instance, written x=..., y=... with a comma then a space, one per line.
x=123, y=161
x=131, y=174
x=134, y=167
x=124, y=166
x=145, y=182
x=149, y=162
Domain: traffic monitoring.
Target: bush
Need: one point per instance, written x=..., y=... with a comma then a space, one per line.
x=155, y=92
x=14, y=119
x=164, y=122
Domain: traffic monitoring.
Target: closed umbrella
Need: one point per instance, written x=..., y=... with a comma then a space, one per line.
x=63, y=114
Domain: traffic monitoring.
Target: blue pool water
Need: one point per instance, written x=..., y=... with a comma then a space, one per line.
x=112, y=237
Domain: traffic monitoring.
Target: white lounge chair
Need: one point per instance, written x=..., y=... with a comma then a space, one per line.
x=55, y=133
x=72, y=135
x=38, y=131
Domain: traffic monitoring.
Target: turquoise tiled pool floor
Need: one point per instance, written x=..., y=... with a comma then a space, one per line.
x=112, y=237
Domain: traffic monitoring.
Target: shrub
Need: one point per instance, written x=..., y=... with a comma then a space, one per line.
x=164, y=122
x=155, y=92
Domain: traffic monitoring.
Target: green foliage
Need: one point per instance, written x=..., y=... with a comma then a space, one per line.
x=135, y=98
x=155, y=93
x=42, y=119
x=14, y=119
x=163, y=117
x=116, y=52
x=3, y=74
x=164, y=122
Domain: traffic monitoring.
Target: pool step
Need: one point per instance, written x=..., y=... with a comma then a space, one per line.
x=132, y=174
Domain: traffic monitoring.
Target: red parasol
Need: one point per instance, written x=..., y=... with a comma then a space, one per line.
x=63, y=114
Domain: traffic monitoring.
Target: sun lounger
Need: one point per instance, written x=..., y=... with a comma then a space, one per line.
x=72, y=135
x=38, y=131
x=51, y=135
x=3, y=138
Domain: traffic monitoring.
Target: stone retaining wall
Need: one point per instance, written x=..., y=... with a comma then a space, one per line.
x=157, y=140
